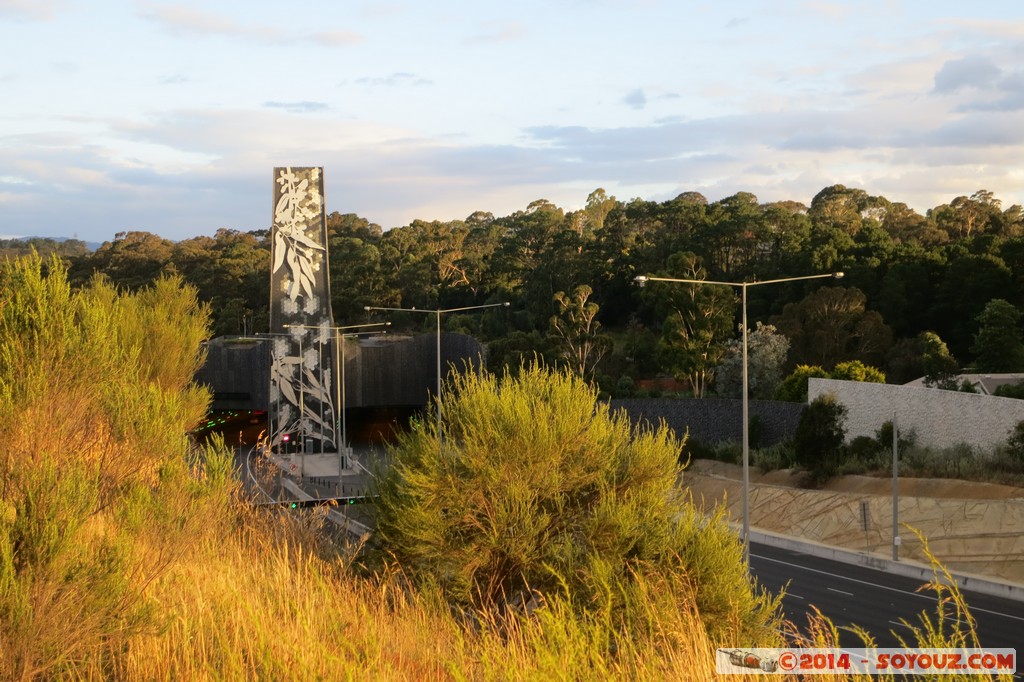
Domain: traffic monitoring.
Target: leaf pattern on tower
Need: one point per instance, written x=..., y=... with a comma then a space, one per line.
x=301, y=359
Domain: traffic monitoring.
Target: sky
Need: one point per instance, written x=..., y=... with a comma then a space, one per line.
x=169, y=117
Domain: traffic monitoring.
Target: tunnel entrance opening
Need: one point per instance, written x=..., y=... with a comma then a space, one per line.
x=379, y=425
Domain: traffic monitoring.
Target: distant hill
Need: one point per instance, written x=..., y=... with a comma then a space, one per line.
x=65, y=246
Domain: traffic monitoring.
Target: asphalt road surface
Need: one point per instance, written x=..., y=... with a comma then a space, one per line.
x=874, y=600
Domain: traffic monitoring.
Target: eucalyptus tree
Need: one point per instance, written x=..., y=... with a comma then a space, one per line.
x=766, y=360
x=832, y=325
x=999, y=341
x=577, y=332
x=696, y=322
x=968, y=283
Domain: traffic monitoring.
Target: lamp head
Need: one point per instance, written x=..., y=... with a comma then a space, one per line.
x=641, y=280
x=839, y=275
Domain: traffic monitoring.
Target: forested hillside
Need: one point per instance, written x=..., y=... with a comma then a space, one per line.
x=919, y=292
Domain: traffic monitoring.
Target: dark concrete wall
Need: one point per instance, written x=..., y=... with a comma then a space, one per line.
x=396, y=370
x=713, y=420
x=379, y=371
x=238, y=373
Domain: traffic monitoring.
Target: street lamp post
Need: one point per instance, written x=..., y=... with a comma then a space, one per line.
x=743, y=286
x=340, y=389
x=438, y=312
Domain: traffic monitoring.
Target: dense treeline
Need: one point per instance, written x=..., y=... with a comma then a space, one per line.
x=569, y=276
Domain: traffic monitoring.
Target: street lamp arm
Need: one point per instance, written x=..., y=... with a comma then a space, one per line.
x=368, y=308
x=334, y=329
x=830, y=275
x=643, y=279
x=475, y=307
x=436, y=311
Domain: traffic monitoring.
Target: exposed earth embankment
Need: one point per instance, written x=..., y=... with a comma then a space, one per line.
x=971, y=527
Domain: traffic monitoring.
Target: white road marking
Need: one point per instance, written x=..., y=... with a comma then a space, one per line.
x=832, y=589
x=930, y=598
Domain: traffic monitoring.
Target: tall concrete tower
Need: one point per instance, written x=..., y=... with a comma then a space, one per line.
x=302, y=376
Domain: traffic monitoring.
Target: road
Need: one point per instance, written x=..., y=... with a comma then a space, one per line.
x=873, y=599
x=264, y=483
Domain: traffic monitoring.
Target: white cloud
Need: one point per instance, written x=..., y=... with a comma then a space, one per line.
x=394, y=80
x=338, y=38
x=29, y=10
x=298, y=107
x=497, y=32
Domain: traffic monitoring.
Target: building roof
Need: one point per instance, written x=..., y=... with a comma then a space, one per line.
x=983, y=383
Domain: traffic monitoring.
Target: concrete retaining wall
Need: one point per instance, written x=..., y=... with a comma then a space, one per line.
x=714, y=420
x=939, y=418
x=384, y=370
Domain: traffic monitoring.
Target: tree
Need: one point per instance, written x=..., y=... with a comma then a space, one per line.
x=731, y=236
x=820, y=434
x=576, y=329
x=999, y=345
x=907, y=292
x=940, y=367
x=908, y=226
x=832, y=325
x=697, y=320
x=838, y=208
x=132, y=260
x=230, y=273
x=787, y=233
x=965, y=216
x=968, y=284
x=599, y=205
x=766, y=356
x=537, y=488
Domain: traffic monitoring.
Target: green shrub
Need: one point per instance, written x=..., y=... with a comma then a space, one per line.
x=625, y=387
x=1011, y=391
x=538, y=489
x=696, y=449
x=755, y=430
x=778, y=456
x=906, y=439
x=818, y=441
x=728, y=451
x=794, y=387
x=95, y=403
x=864, y=448
x=855, y=370
x=1015, y=443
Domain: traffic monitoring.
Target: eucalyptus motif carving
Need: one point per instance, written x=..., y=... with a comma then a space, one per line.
x=301, y=375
